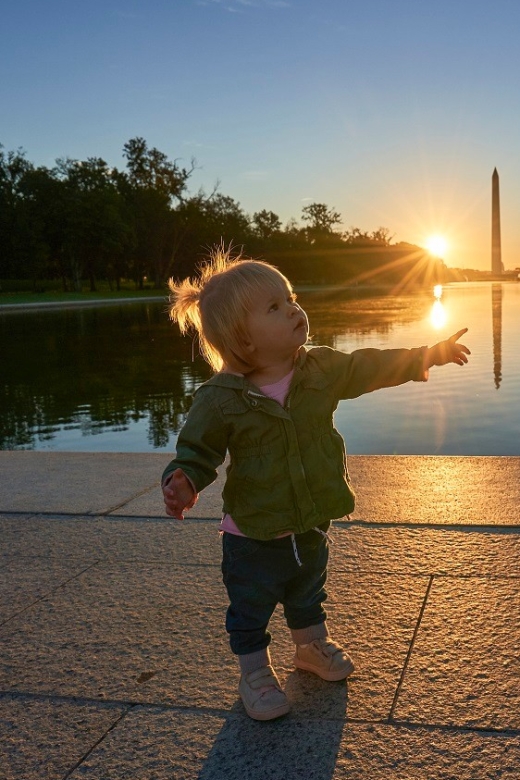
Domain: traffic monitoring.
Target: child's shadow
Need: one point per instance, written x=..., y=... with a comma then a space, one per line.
x=304, y=743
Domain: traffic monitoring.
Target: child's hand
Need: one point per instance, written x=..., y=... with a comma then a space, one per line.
x=448, y=351
x=178, y=494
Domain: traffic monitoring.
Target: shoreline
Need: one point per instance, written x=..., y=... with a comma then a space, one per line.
x=24, y=305
x=303, y=288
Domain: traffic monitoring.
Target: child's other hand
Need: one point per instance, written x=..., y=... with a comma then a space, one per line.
x=448, y=351
x=178, y=495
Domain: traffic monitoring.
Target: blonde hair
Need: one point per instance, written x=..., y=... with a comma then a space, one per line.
x=216, y=304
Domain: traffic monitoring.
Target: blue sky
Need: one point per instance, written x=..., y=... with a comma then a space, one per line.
x=394, y=113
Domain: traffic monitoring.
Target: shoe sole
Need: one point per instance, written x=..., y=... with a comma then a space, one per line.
x=276, y=712
x=328, y=676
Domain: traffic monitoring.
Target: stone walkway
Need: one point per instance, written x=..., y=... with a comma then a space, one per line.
x=114, y=661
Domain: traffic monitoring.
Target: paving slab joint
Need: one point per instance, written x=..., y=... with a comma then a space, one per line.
x=497, y=528
x=91, y=749
x=48, y=593
x=410, y=651
x=129, y=500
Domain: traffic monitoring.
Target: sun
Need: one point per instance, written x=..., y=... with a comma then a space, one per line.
x=436, y=245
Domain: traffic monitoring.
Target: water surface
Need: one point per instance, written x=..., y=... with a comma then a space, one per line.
x=119, y=378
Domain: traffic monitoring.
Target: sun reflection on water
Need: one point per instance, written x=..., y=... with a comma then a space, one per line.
x=438, y=316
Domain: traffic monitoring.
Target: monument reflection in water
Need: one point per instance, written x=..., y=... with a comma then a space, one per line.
x=120, y=378
x=496, y=307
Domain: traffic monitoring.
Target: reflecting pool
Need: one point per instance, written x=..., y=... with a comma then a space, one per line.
x=119, y=378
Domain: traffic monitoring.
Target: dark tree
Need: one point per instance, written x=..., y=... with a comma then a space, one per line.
x=266, y=224
x=94, y=228
x=151, y=185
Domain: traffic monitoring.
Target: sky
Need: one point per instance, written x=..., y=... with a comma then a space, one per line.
x=392, y=112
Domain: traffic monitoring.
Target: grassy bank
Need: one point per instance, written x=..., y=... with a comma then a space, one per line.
x=62, y=297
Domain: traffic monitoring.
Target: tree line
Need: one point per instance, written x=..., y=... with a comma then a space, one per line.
x=86, y=221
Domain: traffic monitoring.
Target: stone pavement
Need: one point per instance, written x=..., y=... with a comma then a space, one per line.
x=114, y=660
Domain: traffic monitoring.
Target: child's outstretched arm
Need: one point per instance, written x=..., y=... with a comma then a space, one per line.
x=178, y=494
x=448, y=351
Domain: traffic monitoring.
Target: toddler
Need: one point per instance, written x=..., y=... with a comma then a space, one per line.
x=270, y=406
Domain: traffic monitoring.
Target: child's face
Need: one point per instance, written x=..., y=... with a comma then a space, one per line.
x=277, y=326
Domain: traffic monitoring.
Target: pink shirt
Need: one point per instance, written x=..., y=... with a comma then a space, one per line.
x=278, y=392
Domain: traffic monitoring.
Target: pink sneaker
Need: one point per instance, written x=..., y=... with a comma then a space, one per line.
x=325, y=658
x=262, y=695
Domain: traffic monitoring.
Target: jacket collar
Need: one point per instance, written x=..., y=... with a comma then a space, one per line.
x=237, y=381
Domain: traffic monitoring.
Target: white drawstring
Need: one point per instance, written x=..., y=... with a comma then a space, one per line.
x=295, y=547
x=323, y=533
x=295, y=550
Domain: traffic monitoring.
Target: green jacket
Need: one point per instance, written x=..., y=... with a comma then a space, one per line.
x=287, y=468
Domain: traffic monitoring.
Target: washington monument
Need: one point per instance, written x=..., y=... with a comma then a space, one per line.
x=496, y=247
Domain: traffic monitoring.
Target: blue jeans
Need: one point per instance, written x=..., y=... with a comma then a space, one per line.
x=259, y=575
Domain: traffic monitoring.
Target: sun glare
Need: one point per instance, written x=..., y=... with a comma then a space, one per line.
x=436, y=245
